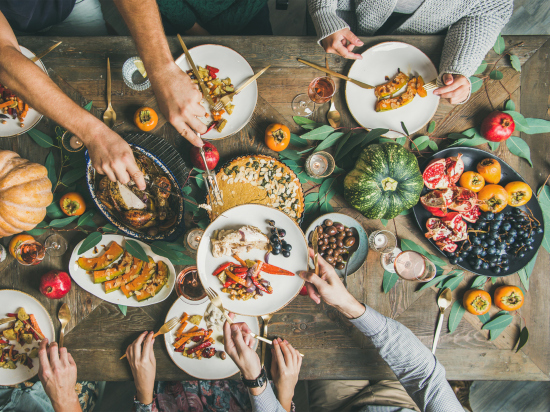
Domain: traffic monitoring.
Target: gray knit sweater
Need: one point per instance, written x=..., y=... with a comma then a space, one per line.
x=473, y=25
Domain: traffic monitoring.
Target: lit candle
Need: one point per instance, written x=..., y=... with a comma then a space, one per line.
x=194, y=238
x=320, y=164
x=75, y=142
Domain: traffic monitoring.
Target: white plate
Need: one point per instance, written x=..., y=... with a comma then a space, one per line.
x=85, y=281
x=378, y=62
x=214, y=368
x=12, y=127
x=234, y=66
x=285, y=288
x=12, y=300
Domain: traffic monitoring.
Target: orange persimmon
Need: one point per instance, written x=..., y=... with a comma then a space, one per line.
x=519, y=193
x=509, y=297
x=277, y=137
x=490, y=170
x=72, y=204
x=492, y=198
x=477, y=301
x=472, y=180
x=146, y=119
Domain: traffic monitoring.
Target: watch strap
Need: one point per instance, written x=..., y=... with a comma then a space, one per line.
x=256, y=383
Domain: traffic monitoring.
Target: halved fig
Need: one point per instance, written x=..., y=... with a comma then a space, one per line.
x=436, y=229
x=471, y=215
x=446, y=245
x=435, y=174
x=463, y=199
x=435, y=203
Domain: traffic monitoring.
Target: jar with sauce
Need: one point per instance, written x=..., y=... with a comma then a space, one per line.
x=189, y=287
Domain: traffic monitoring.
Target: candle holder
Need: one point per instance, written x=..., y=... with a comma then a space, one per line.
x=132, y=77
x=193, y=238
x=71, y=142
x=319, y=165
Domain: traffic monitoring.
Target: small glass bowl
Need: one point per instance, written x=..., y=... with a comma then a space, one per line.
x=66, y=142
x=181, y=277
x=328, y=159
x=132, y=77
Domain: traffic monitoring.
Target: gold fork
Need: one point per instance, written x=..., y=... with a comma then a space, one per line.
x=266, y=319
x=225, y=100
x=167, y=327
x=431, y=85
x=6, y=320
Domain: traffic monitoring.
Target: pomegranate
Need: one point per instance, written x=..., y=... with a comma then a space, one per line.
x=471, y=215
x=436, y=229
x=434, y=175
x=55, y=284
x=446, y=245
x=435, y=203
x=210, y=153
x=497, y=126
x=303, y=291
x=452, y=220
x=460, y=232
x=454, y=168
x=463, y=199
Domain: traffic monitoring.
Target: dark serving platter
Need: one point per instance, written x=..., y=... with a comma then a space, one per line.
x=471, y=156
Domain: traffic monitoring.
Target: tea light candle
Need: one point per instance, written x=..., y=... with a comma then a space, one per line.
x=380, y=240
x=75, y=142
x=194, y=238
x=320, y=164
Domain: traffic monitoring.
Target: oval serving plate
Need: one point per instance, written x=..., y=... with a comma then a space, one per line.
x=12, y=300
x=285, y=288
x=171, y=234
x=85, y=281
x=471, y=156
x=360, y=256
x=214, y=368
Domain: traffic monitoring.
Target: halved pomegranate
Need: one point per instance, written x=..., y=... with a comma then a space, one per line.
x=446, y=245
x=471, y=215
x=452, y=220
x=434, y=175
x=454, y=168
x=436, y=229
x=463, y=199
x=460, y=232
x=435, y=203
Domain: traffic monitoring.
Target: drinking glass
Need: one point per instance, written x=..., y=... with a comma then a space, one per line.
x=385, y=242
x=189, y=287
x=55, y=245
x=30, y=252
x=411, y=265
x=320, y=91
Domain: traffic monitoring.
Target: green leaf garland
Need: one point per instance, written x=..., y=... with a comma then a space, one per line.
x=329, y=141
x=499, y=45
x=457, y=312
x=62, y=222
x=479, y=282
x=523, y=338
x=319, y=133
x=123, y=309
x=476, y=83
x=41, y=139
x=514, y=61
x=89, y=242
x=536, y=126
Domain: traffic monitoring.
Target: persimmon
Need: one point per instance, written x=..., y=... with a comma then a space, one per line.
x=146, y=119
x=490, y=170
x=16, y=241
x=72, y=204
x=472, y=180
x=277, y=137
x=509, y=297
x=492, y=198
x=477, y=301
x=519, y=193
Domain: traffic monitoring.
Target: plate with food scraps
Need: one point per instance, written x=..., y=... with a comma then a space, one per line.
x=473, y=223
x=230, y=70
x=213, y=363
x=338, y=239
x=22, y=117
x=253, y=270
x=381, y=64
x=26, y=367
x=111, y=273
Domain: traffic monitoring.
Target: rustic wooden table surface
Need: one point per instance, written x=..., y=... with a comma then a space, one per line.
x=99, y=333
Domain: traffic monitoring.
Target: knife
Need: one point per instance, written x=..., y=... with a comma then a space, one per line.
x=39, y=56
x=336, y=74
x=250, y=80
x=204, y=89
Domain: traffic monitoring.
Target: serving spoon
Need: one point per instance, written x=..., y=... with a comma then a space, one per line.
x=109, y=117
x=333, y=115
x=64, y=317
x=443, y=301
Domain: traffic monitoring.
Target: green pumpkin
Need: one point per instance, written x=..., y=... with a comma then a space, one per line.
x=386, y=181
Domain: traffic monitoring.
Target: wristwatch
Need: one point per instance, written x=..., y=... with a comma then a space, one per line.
x=256, y=383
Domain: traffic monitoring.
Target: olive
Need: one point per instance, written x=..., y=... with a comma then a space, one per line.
x=321, y=242
x=333, y=245
x=320, y=230
x=325, y=235
x=332, y=239
x=349, y=233
x=339, y=226
x=329, y=259
x=349, y=241
x=340, y=266
x=330, y=230
x=223, y=355
x=329, y=251
x=328, y=222
x=341, y=250
x=339, y=258
x=342, y=235
x=323, y=247
x=340, y=243
x=323, y=254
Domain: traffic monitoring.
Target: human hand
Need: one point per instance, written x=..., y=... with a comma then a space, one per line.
x=239, y=346
x=342, y=43
x=144, y=366
x=328, y=287
x=112, y=156
x=179, y=100
x=456, y=89
x=57, y=372
x=285, y=368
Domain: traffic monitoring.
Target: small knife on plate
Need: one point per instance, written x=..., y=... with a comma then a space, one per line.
x=204, y=89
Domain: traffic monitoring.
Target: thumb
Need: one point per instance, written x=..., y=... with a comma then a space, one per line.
x=447, y=79
x=352, y=38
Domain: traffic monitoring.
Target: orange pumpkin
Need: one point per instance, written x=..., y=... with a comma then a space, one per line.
x=25, y=192
x=492, y=198
x=490, y=170
x=509, y=297
x=16, y=241
x=72, y=204
x=477, y=301
x=519, y=193
x=277, y=137
x=146, y=119
x=472, y=180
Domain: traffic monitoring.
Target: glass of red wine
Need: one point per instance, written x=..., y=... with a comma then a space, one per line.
x=320, y=91
x=32, y=252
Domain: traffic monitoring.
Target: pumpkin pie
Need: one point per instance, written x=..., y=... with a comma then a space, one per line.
x=259, y=179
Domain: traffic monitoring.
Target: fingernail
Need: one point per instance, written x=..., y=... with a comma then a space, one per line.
x=360, y=42
x=285, y=342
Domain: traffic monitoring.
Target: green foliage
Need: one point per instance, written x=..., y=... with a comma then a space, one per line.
x=510, y=105
x=329, y=141
x=523, y=338
x=535, y=126
x=525, y=273
x=57, y=223
x=87, y=219
x=481, y=67
x=89, y=242
x=431, y=127
x=41, y=139
x=457, y=312
x=517, y=146
x=499, y=45
x=407, y=244
x=297, y=140
x=479, y=282
x=123, y=309
x=388, y=281
x=50, y=167
x=521, y=124
x=544, y=200
x=496, y=75
x=514, y=61
x=135, y=249
x=476, y=83
x=306, y=123
x=319, y=133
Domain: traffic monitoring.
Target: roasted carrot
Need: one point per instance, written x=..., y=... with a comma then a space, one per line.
x=181, y=329
x=238, y=259
x=34, y=324
x=235, y=278
x=200, y=332
x=184, y=317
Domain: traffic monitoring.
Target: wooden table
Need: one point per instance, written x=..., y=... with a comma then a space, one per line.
x=99, y=333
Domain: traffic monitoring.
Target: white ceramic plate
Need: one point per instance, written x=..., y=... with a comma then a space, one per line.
x=378, y=62
x=215, y=367
x=285, y=288
x=12, y=127
x=11, y=301
x=234, y=66
x=85, y=281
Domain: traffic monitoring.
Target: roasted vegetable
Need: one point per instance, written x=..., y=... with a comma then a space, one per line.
x=392, y=86
x=393, y=103
x=110, y=255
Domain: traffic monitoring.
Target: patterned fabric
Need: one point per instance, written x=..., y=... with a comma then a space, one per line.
x=473, y=25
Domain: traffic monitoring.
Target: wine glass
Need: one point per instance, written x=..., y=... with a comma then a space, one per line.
x=320, y=91
x=30, y=252
x=56, y=245
x=385, y=242
x=411, y=265
x=189, y=287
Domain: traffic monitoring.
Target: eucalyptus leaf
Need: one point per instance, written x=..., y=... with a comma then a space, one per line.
x=373, y=134
x=199, y=180
x=312, y=197
x=456, y=136
x=301, y=152
x=484, y=318
x=326, y=207
x=297, y=140
x=523, y=338
x=469, y=142
x=319, y=133
x=41, y=139
x=109, y=228
x=494, y=280
x=203, y=223
x=290, y=154
x=405, y=212
x=514, y=61
x=479, y=282
x=190, y=204
x=325, y=186
x=419, y=140
x=510, y=105
x=123, y=309
x=388, y=281
x=353, y=141
x=384, y=222
x=312, y=208
x=457, y=312
x=500, y=322
x=496, y=75
x=341, y=143
x=301, y=121
x=404, y=128
x=521, y=124
x=38, y=229
x=184, y=260
x=87, y=219
x=89, y=106
x=431, y=126
x=481, y=67
x=187, y=190
x=53, y=211
x=50, y=167
x=524, y=279
x=525, y=273
x=476, y=83
x=493, y=145
x=453, y=282
x=135, y=249
x=499, y=45
x=544, y=200
x=536, y=126
x=163, y=249
x=329, y=141
x=432, y=282
x=89, y=242
x=433, y=145
x=72, y=176
x=177, y=246
x=62, y=222
x=517, y=146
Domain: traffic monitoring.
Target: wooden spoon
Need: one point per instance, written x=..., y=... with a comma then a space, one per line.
x=109, y=117
x=333, y=115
